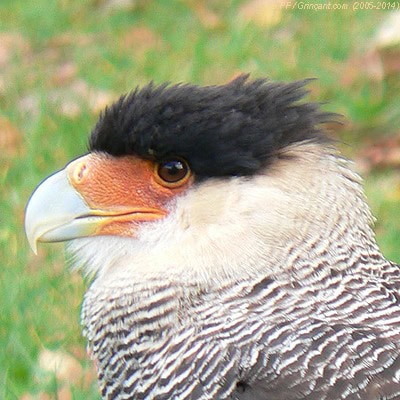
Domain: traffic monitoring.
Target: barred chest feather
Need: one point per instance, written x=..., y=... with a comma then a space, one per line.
x=336, y=338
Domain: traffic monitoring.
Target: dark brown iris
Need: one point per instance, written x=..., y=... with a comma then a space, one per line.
x=173, y=171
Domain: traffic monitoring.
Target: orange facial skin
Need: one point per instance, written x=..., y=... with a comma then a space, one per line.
x=124, y=191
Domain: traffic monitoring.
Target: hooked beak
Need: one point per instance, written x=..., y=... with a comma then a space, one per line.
x=95, y=195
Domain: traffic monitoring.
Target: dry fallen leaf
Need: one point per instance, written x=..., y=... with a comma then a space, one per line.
x=26, y=396
x=388, y=33
x=66, y=368
x=264, y=13
x=69, y=100
x=10, y=138
x=391, y=61
x=99, y=99
x=110, y=6
x=63, y=393
x=64, y=74
x=72, y=39
x=139, y=40
x=78, y=92
x=360, y=65
x=378, y=58
x=12, y=44
x=207, y=17
x=381, y=154
x=39, y=396
x=386, y=43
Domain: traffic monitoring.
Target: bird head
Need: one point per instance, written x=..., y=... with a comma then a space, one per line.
x=200, y=183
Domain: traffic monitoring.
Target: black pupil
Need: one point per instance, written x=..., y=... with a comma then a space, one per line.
x=172, y=171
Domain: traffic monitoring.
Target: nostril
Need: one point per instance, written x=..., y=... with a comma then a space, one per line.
x=79, y=172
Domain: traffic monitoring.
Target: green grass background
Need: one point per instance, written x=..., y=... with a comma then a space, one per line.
x=111, y=50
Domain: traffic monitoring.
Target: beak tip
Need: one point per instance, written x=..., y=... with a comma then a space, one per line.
x=52, y=210
x=32, y=239
x=29, y=229
x=33, y=246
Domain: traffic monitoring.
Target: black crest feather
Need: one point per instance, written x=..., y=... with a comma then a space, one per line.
x=232, y=129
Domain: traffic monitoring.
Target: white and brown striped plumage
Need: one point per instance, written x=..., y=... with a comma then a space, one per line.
x=264, y=284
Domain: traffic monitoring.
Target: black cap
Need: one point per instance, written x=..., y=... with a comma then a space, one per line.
x=227, y=130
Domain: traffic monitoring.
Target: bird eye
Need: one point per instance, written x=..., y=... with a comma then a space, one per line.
x=173, y=172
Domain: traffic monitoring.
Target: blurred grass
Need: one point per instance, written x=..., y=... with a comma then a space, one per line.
x=68, y=58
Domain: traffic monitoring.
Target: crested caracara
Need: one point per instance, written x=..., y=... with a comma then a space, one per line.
x=230, y=247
